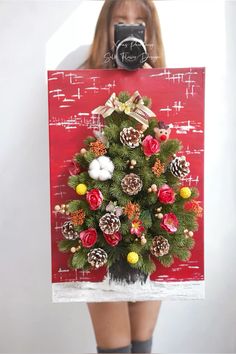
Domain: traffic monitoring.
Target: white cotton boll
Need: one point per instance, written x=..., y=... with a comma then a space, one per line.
x=101, y=168
x=94, y=174
x=103, y=161
x=110, y=167
x=104, y=175
x=94, y=165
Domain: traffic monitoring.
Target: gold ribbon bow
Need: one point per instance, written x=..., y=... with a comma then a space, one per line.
x=133, y=107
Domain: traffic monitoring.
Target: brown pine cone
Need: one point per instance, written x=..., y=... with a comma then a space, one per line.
x=97, y=257
x=130, y=137
x=160, y=246
x=131, y=184
x=179, y=167
x=109, y=223
x=68, y=231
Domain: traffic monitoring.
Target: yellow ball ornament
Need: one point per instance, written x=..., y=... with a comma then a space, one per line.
x=185, y=192
x=132, y=257
x=81, y=189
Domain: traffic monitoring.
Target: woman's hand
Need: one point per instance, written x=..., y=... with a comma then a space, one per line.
x=147, y=66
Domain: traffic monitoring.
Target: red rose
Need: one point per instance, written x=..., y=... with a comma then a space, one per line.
x=169, y=223
x=150, y=145
x=88, y=237
x=166, y=194
x=94, y=198
x=113, y=239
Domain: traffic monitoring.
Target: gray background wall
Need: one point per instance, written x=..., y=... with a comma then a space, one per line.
x=29, y=321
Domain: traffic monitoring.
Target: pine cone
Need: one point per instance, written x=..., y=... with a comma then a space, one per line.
x=131, y=184
x=160, y=246
x=109, y=223
x=68, y=231
x=97, y=257
x=130, y=137
x=179, y=167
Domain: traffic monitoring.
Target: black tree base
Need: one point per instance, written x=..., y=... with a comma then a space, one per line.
x=121, y=272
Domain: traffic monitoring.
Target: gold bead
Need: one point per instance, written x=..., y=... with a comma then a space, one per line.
x=149, y=190
x=154, y=187
x=131, y=167
x=160, y=216
x=159, y=209
x=133, y=162
x=73, y=249
x=63, y=206
x=57, y=208
x=186, y=231
x=83, y=151
x=190, y=233
x=143, y=241
x=156, y=215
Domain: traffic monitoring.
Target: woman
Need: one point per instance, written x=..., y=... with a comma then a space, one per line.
x=124, y=327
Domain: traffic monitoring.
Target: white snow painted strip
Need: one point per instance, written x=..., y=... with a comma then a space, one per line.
x=104, y=291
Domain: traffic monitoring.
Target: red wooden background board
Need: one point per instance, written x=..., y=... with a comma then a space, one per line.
x=177, y=99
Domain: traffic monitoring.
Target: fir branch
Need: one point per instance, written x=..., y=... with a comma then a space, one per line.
x=123, y=96
x=152, y=125
x=125, y=227
x=147, y=101
x=182, y=253
x=89, y=156
x=90, y=222
x=65, y=245
x=73, y=181
x=79, y=158
x=148, y=265
x=73, y=205
x=169, y=148
x=167, y=260
x=112, y=133
x=146, y=218
x=79, y=259
x=88, y=140
x=189, y=243
x=119, y=164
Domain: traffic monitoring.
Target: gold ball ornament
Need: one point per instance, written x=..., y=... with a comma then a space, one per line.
x=160, y=216
x=185, y=192
x=132, y=257
x=74, y=249
x=57, y=208
x=154, y=187
x=133, y=162
x=143, y=240
x=190, y=233
x=83, y=151
x=81, y=189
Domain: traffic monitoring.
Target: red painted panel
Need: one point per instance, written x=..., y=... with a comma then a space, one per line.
x=177, y=98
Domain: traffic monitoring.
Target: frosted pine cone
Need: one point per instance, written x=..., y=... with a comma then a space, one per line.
x=179, y=167
x=131, y=184
x=97, y=257
x=68, y=231
x=109, y=223
x=160, y=246
x=130, y=137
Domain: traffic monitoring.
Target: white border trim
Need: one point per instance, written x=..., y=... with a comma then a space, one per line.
x=103, y=291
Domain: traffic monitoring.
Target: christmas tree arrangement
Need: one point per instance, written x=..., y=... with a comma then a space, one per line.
x=131, y=209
